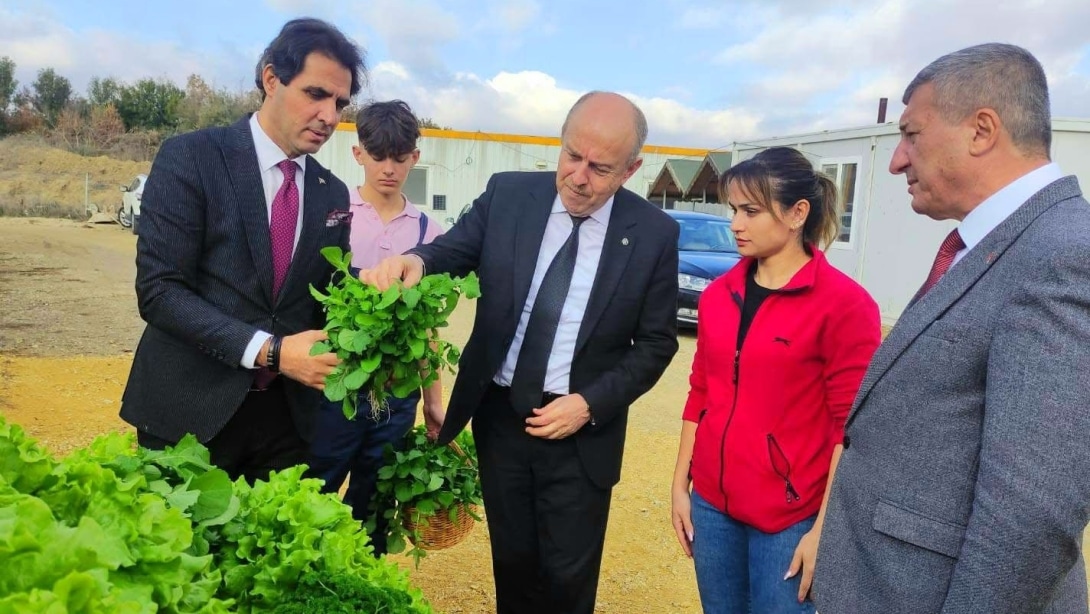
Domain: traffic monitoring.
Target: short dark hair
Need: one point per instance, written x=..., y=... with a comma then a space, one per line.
x=1002, y=77
x=785, y=176
x=299, y=38
x=387, y=129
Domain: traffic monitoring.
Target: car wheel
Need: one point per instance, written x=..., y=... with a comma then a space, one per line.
x=124, y=218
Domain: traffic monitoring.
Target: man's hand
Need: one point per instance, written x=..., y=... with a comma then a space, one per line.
x=409, y=269
x=297, y=363
x=559, y=419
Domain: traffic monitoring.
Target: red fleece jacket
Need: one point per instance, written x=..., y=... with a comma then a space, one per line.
x=768, y=416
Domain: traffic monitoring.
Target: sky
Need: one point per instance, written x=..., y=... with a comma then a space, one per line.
x=707, y=73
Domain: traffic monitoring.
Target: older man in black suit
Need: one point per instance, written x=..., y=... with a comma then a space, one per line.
x=232, y=223
x=576, y=320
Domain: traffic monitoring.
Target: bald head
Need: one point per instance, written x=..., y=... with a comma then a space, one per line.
x=613, y=112
x=600, y=147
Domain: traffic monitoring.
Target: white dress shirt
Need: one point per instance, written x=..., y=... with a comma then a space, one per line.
x=269, y=155
x=999, y=206
x=592, y=237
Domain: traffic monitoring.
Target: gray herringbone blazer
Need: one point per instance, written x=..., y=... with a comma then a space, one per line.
x=965, y=483
x=204, y=282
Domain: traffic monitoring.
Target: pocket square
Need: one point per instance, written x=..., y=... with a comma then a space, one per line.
x=338, y=217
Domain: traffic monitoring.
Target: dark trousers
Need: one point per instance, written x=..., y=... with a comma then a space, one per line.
x=342, y=448
x=546, y=519
x=260, y=438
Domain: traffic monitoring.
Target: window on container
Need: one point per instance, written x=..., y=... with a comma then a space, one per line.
x=416, y=185
x=844, y=175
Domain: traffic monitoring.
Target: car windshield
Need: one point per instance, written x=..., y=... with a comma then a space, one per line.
x=706, y=236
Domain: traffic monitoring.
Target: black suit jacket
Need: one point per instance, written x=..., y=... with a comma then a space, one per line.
x=204, y=282
x=629, y=330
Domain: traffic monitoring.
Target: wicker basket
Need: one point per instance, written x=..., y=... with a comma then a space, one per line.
x=437, y=531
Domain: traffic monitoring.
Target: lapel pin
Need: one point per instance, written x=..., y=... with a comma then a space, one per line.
x=321, y=180
x=624, y=241
x=990, y=258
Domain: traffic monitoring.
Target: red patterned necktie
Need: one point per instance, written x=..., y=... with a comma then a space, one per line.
x=285, y=217
x=943, y=261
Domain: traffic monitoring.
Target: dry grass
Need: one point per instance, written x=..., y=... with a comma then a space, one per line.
x=37, y=180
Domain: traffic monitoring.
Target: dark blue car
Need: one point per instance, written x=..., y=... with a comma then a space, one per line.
x=706, y=250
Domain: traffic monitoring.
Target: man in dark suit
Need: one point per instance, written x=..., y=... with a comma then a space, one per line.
x=232, y=223
x=964, y=485
x=576, y=320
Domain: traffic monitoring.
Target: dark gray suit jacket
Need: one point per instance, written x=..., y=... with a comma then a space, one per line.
x=629, y=331
x=965, y=483
x=204, y=282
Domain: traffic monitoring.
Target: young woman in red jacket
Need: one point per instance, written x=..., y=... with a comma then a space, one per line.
x=783, y=340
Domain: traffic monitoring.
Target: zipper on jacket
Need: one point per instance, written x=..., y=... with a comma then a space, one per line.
x=723, y=439
x=775, y=452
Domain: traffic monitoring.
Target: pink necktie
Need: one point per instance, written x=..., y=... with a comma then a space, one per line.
x=943, y=261
x=285, y=217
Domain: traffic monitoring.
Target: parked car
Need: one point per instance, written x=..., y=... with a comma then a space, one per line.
x=128, y=214
x=706, y=250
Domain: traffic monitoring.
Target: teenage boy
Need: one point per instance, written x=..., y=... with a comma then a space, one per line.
x=384, y=223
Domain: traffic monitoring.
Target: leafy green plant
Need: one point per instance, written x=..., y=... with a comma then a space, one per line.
x=346, y=594
x=116, y=528
x=388, y=342
x=420, y=481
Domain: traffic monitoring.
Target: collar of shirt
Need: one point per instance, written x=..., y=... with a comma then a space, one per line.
x=600, y=216
x=999, y=206
x=269, y=153
x=355, y=200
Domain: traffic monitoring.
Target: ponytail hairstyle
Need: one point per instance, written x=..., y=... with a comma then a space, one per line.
x=783, y=175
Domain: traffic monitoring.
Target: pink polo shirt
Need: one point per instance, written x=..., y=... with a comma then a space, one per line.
x=371, y=240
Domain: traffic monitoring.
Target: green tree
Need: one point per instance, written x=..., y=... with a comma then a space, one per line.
x=51, y=94
x=7, y=82
x=150, y=105
x=205, y=106
x=101, y=92
x=427, y=122
x=7, y=91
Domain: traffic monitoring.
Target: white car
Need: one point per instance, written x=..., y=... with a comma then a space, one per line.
x=128, y=214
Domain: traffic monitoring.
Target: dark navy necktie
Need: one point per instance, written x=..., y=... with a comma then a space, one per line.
x=527, y=385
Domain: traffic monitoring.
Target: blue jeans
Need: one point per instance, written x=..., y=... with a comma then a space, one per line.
x=341, y=447
x=739, y=569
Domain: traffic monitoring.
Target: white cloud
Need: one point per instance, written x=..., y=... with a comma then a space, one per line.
x=812, y=68
x=531, y=102
x=413, y=31
x=36, y=41
x=768, y=68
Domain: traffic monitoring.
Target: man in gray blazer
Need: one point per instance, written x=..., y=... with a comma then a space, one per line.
x=232, y=222
x=964, y=486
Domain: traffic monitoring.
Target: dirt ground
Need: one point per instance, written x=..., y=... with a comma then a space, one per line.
x=36, y=178
x=69, y=323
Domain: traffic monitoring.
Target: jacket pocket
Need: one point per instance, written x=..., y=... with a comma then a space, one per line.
x=782, y=467
x=917, y=529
